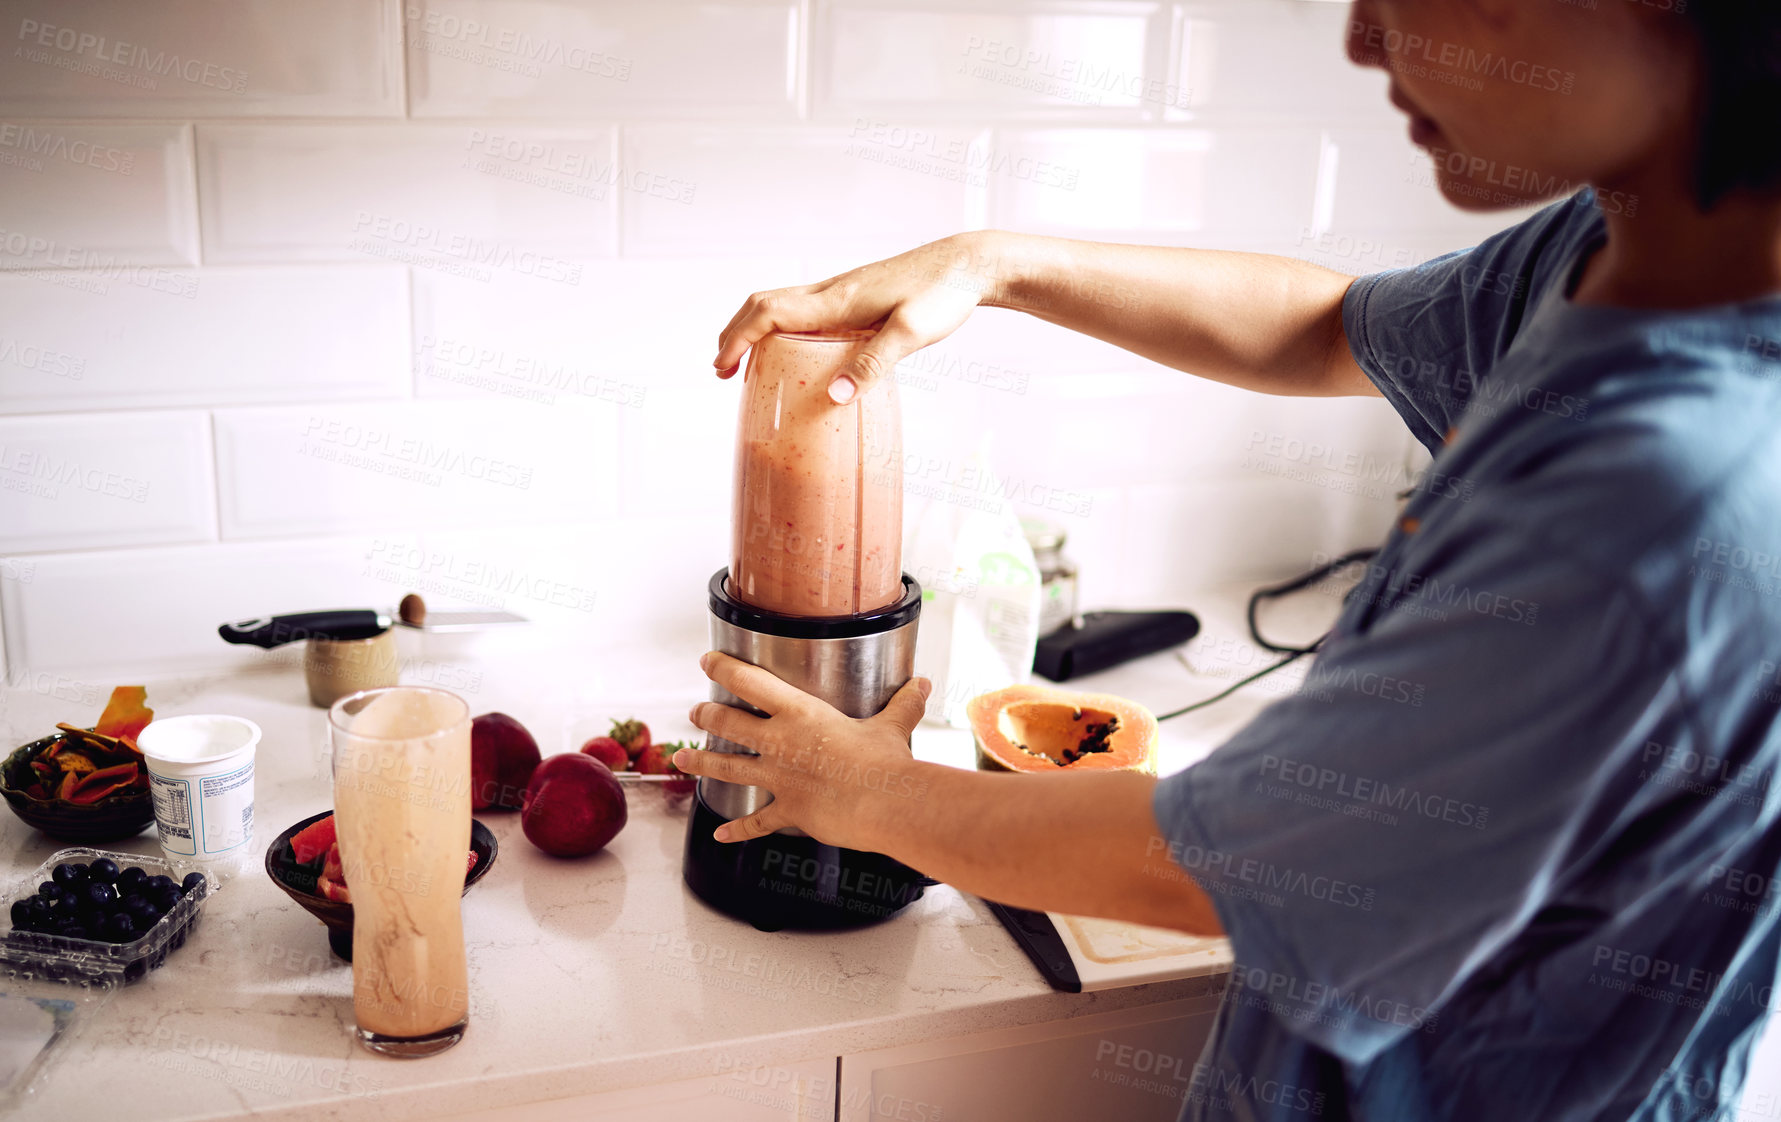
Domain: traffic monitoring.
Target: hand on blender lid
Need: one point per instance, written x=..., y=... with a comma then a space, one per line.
x=911, y=301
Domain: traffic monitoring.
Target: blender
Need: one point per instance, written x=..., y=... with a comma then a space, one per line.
x=814, y=594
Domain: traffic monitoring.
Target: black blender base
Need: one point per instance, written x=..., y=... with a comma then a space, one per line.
x=788, y=881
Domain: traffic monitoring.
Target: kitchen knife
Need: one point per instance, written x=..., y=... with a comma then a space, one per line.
x=351, y=623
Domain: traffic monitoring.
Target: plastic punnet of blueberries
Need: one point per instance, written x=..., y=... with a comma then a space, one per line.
x=101, y=902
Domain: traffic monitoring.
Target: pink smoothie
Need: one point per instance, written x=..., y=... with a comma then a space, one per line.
x=818, y=516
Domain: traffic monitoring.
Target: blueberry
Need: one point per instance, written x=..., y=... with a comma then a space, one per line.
x=64, y=874
x=100, y=896
x=81, y=872
x=192, y=883
x=140, y=910
x=64, y=905
x=131, y=879
x=164, y=899
x=161, y=882
x=49, y=890
x=103, y=870
x=119, y=928
x=32, y=920
x=21, y=913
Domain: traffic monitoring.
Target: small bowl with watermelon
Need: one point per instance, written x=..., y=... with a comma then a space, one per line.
x=305, y=862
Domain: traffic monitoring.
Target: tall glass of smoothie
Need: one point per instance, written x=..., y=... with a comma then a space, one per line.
x=402, y=817
x=818, y=515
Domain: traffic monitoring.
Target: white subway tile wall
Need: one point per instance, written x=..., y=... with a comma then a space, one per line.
x=78, y=480
x=73, y=340
x=477, y=58
x=1243, y=62
x=1168, y=184
x=300, y=470
x=192, y=59
x=95, y=195
x=312, y=305
x=975, y=60
x=477, y=200
x=870, y=186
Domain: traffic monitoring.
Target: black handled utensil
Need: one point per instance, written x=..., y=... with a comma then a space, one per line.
x=351, y=623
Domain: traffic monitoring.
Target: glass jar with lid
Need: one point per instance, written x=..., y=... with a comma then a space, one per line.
x=1057, y=574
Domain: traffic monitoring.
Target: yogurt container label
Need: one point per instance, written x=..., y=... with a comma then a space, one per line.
x=204, y=816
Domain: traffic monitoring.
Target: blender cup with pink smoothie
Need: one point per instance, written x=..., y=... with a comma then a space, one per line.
x=815, y=593
x=818, y=517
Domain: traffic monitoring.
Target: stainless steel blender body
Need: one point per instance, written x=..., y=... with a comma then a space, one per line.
x=856, y=673
x=787, y=879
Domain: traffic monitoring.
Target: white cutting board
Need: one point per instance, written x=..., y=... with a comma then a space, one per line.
x=1109, y=953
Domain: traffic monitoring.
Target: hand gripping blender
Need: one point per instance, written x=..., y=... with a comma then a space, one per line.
x=815, y=595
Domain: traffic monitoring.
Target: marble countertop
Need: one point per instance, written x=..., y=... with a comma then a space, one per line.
x=585, y=976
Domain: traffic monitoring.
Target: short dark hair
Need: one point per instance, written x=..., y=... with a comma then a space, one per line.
x=1740, y=135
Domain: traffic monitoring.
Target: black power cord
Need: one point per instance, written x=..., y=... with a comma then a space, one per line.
x=1276, y=591
x=1293, y=654
x=1235, y=686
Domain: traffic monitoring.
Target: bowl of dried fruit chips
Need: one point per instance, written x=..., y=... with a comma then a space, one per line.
x=85, y=784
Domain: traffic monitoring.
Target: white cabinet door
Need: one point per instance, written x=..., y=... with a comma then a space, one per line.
x=797, y=1092
x=1135, y=1065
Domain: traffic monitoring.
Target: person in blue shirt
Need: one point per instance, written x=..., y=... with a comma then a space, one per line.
x=1511, y=851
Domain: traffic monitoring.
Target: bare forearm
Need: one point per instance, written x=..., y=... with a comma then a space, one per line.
x=1264, y=323
x=1085, y=844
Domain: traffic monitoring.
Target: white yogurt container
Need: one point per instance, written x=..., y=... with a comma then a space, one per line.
x=201, y=774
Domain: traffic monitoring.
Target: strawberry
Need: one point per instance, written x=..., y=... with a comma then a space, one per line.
x=633, y=734
x=609, y=752
x=657, y=759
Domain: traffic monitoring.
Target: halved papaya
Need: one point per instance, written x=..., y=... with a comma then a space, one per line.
x=1038, y=728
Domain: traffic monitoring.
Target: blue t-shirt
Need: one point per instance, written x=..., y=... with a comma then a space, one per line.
x=1511, y=851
